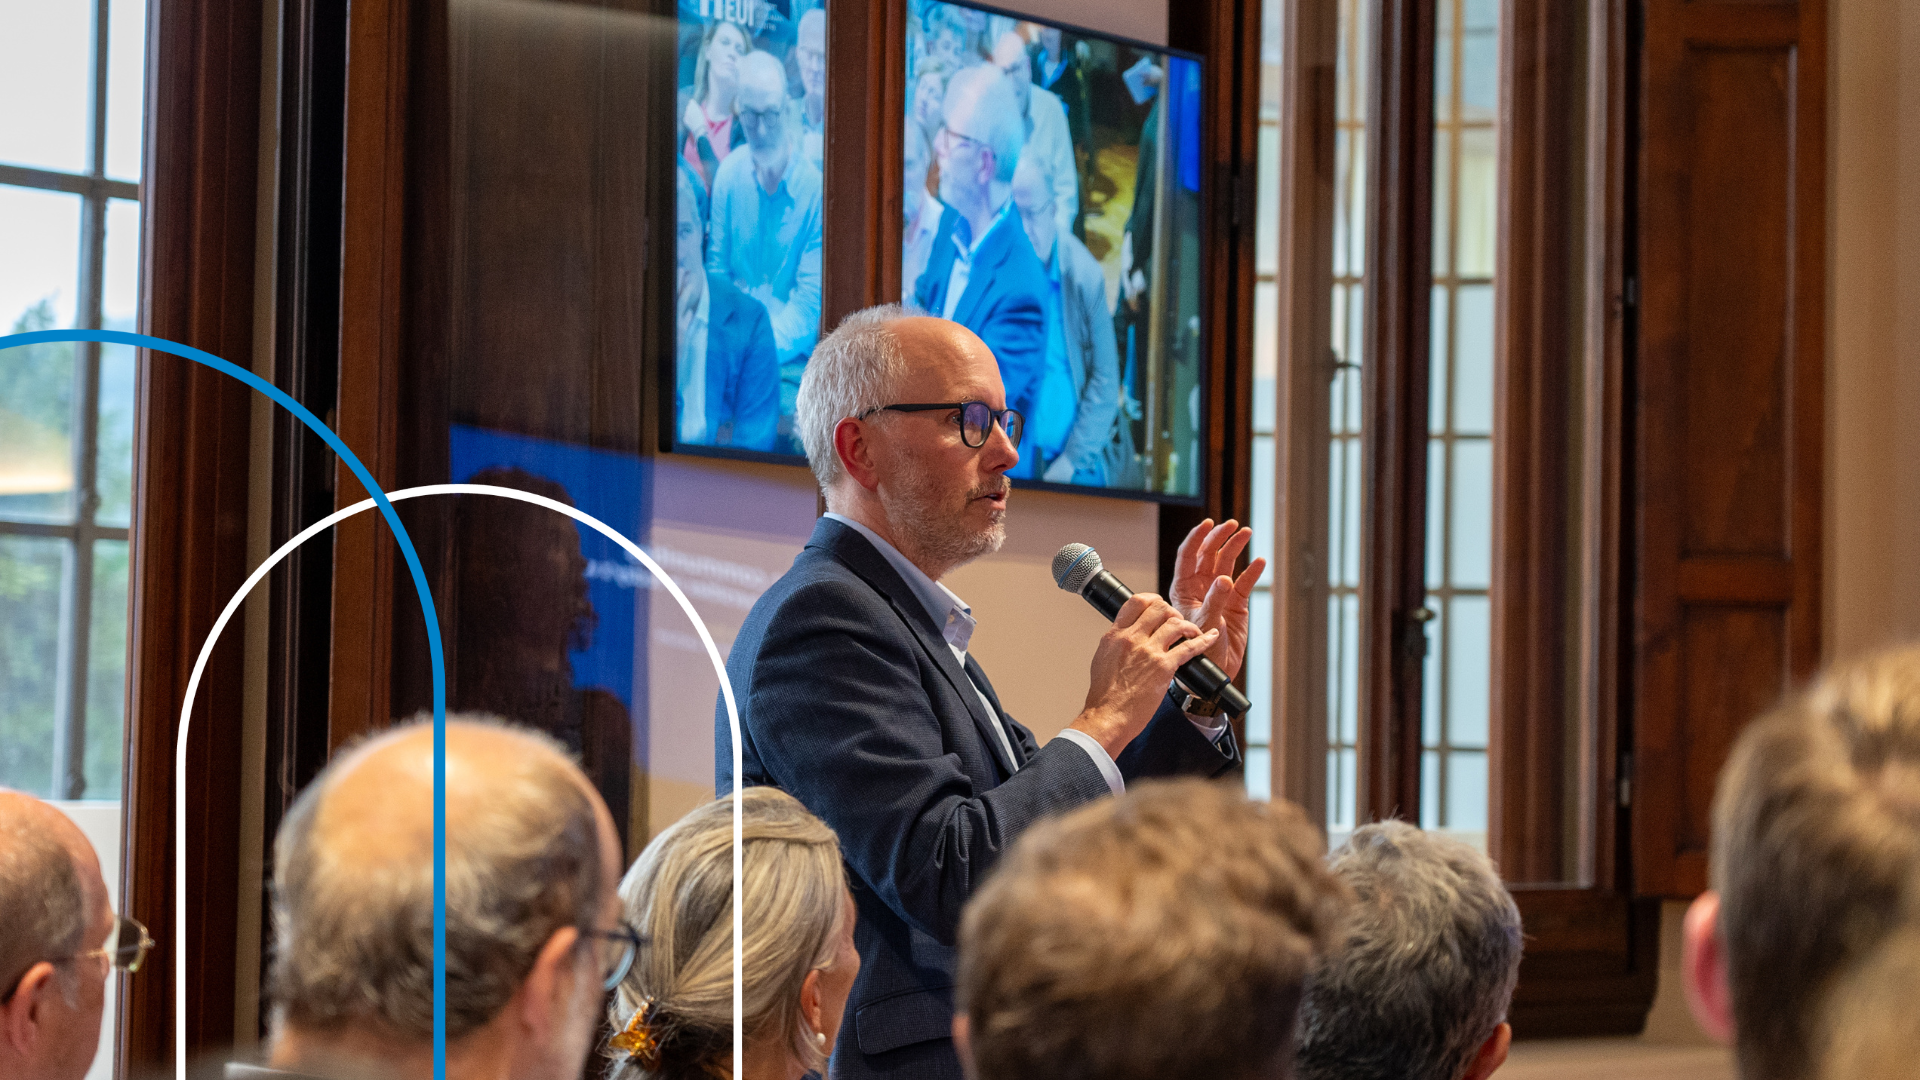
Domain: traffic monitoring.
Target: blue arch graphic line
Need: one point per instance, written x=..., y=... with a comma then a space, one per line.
x=432, y=619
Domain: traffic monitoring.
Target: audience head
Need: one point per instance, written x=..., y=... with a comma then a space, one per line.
x=1161, y=935
x=51, y=992
x=716, y=71
x=1033, y=197
x=1010, y=56
x=911, y=476
x=981, y=142
x=1871, y=1030
x=762, y=107
x=810, y=54
x=673, y=1014
x=1815, y=861
x=532, y=919
x=1417, y=984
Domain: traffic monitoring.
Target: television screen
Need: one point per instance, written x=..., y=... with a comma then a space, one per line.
x=1052, y=203
x=751, y=115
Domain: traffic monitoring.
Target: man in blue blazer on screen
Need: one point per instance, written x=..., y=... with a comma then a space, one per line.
x=982, y=271
x=858, y=696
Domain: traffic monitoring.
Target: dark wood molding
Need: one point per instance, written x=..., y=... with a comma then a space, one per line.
x=1727, y=403
x=1399, y=278
x=191, y=460
x=1592, y=961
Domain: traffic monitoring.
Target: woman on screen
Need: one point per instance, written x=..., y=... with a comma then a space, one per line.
x=708, y=117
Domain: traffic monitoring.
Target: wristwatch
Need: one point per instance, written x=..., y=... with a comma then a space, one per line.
x=1192, y=705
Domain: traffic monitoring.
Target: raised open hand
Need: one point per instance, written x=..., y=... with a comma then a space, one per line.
x=1208, y=596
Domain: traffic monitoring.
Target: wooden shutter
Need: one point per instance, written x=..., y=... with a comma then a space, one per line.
x=1728, y=400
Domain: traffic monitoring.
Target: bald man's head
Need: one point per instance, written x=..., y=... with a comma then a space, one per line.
x=55, y=904
x=530, y=849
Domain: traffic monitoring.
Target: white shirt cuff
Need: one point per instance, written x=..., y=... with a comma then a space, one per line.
x=1210, y=726
x=1100, y=759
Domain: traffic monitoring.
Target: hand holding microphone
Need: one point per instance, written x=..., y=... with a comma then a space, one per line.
x=1149, y=645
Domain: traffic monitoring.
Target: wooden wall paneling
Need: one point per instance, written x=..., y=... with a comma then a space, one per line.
x=1399, y=276
x=1728, y=410
x=860, y=194
x=191, y=463
x=365, y=558
x=1304, y=384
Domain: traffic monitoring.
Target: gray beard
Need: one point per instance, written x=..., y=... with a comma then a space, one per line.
x=928, y=535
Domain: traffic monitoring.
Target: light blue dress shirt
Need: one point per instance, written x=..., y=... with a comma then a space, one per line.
x=760, y=238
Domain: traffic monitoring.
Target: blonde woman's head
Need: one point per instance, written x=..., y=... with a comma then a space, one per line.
x=798, y=959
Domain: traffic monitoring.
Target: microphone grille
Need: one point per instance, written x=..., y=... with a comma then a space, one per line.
x=1074, y=566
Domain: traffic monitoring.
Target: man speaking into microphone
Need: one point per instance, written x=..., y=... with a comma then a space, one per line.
x=857, y=694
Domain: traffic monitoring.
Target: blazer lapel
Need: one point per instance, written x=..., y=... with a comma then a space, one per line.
x=857, y=553
x=985, y=261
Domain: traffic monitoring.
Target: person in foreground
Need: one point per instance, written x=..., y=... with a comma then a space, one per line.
x=1162, y=935
x=858, y=696
x=672, y=1016
x=1423, y=968
x=534, y=937
x=1815, y=867
x=53, y=985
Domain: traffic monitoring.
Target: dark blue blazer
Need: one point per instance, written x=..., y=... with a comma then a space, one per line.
x=852, y=701
x=1004, y=302
x=743, y=377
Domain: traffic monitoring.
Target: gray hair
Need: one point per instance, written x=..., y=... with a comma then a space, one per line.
x=679, y=896
x=354, y=937
x=852, y=371
x=992, y=97
x=41, y=892
x=1426, y=964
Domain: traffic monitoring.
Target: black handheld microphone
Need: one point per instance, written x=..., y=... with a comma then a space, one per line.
x=1077, y=569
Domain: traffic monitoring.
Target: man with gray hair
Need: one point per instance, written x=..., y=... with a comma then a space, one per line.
x=1418, y=982
x=534, y=936
x=53, y=982
x=858, y=696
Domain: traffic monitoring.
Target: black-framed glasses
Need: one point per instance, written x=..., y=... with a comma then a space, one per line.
x=626, y=941
x=976, y=419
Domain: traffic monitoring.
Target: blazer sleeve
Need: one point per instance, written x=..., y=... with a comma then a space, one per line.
x=840, y=719
x=1172, y=746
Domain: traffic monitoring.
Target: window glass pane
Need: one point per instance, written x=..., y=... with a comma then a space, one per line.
x=120, y=292
x=113, y=465
x=1349, y=670
x=1430, y=713
x=46, y=58
x=1260, y=672
x=1468, y=639
x=1470, y=524
x=31, y=571
x=1430, y=789
x=106, y=669
x=40, y=273
x=1266, y=332
x=1436, y=509
x=1466, y=791
x=1262, y=523
x=1479, y=60
x=1442, y=205
x=1473, y=360
x=1342, y=198
x=1473, y=240
x=1352, y=508
x=1259, y=772
x=1437, y=361
x=36, y=431
x=1266, y=219
x=126, y=86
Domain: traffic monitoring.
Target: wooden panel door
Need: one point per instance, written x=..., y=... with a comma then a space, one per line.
x=1728, y=401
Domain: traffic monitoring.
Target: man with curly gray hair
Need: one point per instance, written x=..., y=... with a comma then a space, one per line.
x=533, y=939
x=1417, y=985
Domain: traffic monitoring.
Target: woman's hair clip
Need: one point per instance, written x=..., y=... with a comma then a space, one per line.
x=637, y=1039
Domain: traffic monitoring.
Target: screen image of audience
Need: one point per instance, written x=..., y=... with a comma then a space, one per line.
x=1029, y=218
x=747, y=244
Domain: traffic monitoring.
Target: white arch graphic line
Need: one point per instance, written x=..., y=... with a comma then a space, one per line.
x=288, y=548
